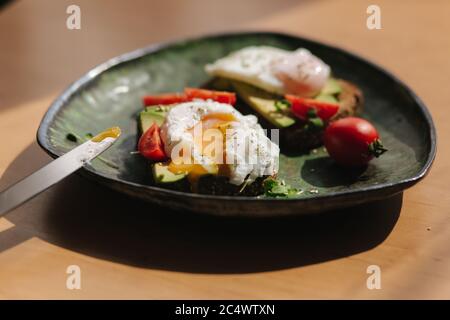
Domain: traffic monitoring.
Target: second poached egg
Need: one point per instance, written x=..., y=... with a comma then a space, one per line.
x=275, y=70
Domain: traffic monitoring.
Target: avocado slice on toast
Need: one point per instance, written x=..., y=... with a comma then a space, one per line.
x=160, y=170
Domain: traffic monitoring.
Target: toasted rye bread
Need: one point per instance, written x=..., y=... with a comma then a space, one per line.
x=351, y=100
x=219, y=185
x=297, y=138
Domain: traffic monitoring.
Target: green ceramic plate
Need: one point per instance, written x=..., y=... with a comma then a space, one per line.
x=110, y=95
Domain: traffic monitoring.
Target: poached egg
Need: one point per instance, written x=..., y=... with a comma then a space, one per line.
x=207, y=137
x=275, y=70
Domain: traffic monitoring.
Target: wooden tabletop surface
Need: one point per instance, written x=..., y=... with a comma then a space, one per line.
x=128, y=249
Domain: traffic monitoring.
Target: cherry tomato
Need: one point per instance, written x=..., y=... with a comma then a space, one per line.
x=301, y=107
x=352, y=141
x=189, y=95
x=150, y=144
x=219, y=96
x=165, y=98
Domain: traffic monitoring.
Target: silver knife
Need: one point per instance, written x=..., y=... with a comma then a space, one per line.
x=56, y=170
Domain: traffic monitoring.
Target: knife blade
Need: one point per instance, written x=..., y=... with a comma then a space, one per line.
x=56, y=170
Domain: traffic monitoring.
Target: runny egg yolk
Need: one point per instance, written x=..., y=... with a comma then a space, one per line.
x=113, y=132
x=218, y=121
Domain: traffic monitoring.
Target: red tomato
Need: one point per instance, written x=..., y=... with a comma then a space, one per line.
x=352, y=141
x=302, y=106
x=189, y=95
x=150, y=144
x=219, y=96
x=165, y=98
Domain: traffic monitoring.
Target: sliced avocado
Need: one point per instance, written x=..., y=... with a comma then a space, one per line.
x=153, y=114
x=160, y=170
x=331, y=87
x=162, y=174
x=263, y=103
x=326, y=98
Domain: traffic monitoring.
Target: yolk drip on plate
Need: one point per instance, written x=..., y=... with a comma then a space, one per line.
x=205, y=141
x=113, y=132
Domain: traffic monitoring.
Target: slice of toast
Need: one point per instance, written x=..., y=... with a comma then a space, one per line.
x=207, y=184
x=295, y=135
x=351, y=100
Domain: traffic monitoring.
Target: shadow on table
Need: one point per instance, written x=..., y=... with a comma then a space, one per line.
x=84, y=217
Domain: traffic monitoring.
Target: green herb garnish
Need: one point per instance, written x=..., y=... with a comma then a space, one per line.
x=282, y=105
x=72, y=137
x=312, y=113
x=278, y=188
x=314, y=122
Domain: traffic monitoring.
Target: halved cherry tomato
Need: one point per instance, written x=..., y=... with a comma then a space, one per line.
x=301, y=107
x=189, y=95
x=219, y=96
x=150, y=144
x=165, y=98
x=352, y=141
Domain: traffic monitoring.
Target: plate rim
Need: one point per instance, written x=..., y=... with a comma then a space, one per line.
x=92, y=74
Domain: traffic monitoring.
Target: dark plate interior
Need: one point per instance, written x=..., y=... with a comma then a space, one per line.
x=111, y=94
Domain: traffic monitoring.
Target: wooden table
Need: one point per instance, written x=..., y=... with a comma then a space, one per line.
x=127, y=249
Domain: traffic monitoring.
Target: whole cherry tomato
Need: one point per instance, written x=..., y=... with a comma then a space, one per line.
x=352, y=141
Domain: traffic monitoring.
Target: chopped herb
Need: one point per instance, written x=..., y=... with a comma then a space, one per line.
x=282, y=105
x=312, y=113
x=276, y=188
x=269, y=184
x=314, y=122
x=71, y=137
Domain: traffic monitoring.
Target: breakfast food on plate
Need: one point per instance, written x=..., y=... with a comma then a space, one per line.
x=199, y=140
x=292, y=90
